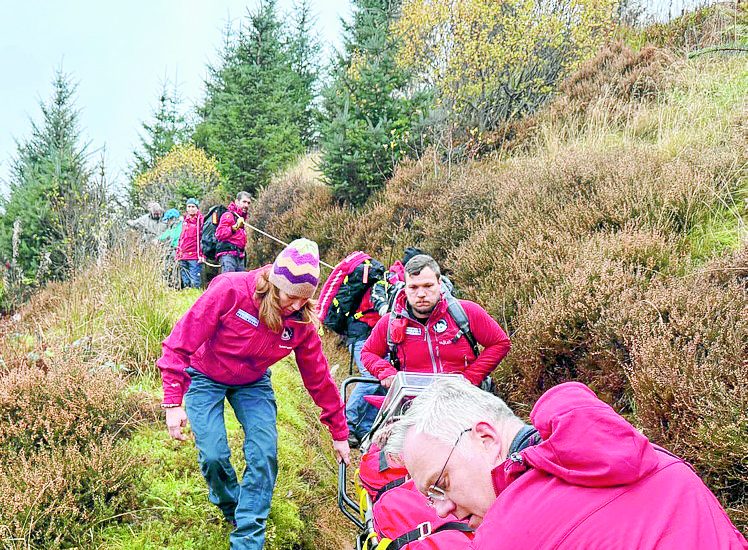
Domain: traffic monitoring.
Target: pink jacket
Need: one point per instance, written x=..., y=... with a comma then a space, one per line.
x=225, y=231
x=432, y=348
x=222, y=337
x=597, y=482
x=189, y=239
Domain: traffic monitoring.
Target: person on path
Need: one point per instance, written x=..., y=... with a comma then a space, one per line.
x=222, y=350
x=189, y=253
x=231, y=235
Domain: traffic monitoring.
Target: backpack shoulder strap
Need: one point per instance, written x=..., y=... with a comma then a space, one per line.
x=424, y=530
x=391, y=345
x=457, y=312
x=391, y=485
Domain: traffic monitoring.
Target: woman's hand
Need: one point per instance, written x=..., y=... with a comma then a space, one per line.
x=176, y=419
x=342, y=451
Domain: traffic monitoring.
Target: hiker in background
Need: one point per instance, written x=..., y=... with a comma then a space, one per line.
x=189, y=253
x=382, y=293
x=373, y=304
x=149, y=225
x=173, y=221
x=231, y=236
x=221, y=349
x=345, y=307
x=580, y=477
x=428, y=330
x=361, y=319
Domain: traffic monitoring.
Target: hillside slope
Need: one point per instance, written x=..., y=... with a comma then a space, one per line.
x=607, y=234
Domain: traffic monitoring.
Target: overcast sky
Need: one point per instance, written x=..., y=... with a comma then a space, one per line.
x=119, y=52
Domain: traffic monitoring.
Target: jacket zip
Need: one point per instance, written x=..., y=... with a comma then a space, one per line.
x=431, y=351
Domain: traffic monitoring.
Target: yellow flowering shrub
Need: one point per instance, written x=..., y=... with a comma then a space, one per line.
x=185, y=171
x=491, y=60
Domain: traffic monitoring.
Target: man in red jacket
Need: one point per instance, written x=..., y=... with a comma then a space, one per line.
x=586, y=478
x=231, y=236
x=425, y=336
x=189, y=254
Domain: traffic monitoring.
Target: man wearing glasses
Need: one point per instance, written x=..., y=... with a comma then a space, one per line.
x=593, y=481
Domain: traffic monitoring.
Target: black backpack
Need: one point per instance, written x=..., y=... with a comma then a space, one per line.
x=208, y=242
x=348, y=297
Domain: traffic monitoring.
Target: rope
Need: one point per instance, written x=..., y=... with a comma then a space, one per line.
x=269, y=236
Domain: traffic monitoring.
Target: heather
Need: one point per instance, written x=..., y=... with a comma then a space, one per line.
x=606, y=233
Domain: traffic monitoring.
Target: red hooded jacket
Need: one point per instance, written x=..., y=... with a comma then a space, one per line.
x=188, y=247
x=432, y=347
x=222, y=337
x=595, y=482
x=225, y=231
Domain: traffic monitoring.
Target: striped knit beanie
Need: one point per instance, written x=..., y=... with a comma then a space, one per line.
x=296, y=269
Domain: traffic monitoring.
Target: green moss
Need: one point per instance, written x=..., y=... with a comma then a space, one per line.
x=175, y=512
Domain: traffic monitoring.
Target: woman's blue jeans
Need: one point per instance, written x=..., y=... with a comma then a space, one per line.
x=246, y=502
x=190, y=272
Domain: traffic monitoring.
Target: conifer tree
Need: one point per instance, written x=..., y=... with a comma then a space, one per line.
x=53, y=193
x=304, y=50
x=167, y=129
x=369, y=109
x=250, y=121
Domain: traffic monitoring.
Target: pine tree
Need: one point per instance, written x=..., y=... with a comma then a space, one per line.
x=250, y=120
x=304, y=50
x=53, y=192
x=369, y=109
x=169, y=128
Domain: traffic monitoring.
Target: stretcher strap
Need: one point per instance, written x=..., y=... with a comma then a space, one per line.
x=423, y=531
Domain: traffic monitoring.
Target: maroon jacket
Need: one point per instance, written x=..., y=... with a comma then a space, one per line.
x=432, y=347
x=225, y=231
x=189, y=239
x=222, y=337
x=596, y=482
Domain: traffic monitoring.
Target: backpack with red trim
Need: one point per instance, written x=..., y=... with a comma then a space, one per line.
x=341, y=295
x=403, y=516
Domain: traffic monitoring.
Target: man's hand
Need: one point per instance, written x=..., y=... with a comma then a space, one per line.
x=239, y=224
x=176, y=419
x=387, y=382
x=342, y=451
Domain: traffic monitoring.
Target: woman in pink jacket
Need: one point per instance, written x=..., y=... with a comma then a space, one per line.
x=189, y=254
x=221, y=350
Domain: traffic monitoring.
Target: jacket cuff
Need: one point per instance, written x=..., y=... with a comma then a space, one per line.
x=340, y=435
x=387, y=372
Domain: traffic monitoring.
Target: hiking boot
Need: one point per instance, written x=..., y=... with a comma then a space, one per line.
x=353, y=441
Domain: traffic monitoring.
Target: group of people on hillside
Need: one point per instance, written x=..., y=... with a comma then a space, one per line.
x=182, y=233
x=578, y=476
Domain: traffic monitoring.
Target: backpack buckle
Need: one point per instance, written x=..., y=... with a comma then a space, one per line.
x=424, y=530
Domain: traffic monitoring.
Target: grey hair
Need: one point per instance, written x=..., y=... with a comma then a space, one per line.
x=242, y=195
x=445, y=409
x=154, y=208
x=417, y=264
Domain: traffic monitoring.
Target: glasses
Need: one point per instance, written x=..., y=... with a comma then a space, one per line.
x=435, y=493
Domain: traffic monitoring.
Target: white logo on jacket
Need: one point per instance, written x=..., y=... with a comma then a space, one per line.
x=287, y=334
x=440, y=326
